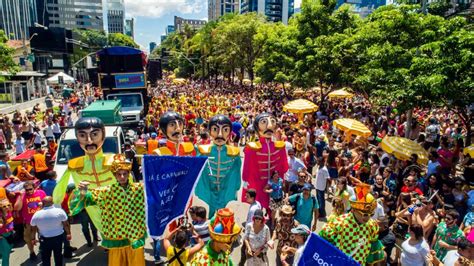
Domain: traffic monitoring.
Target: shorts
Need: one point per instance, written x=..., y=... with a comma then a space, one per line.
x=276, y=204
x=27, y=233
x=333, y=172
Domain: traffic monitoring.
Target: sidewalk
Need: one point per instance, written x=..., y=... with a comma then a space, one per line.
x=22, y=106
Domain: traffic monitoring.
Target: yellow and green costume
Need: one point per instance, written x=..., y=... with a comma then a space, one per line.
x=123, y=220
x=94, y=169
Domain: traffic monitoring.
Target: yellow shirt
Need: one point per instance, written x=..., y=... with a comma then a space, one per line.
x=183, y=257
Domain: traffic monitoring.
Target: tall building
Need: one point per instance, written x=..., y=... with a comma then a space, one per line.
x=274, y=10
x=218, y=8
x=16, y=16
x=130, y=27
x=169, y=29
x=115, y=16
x=70, y=14
x=152, y=46
x=195, y=24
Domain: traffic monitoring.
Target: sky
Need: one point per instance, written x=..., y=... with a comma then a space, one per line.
x=152, y=16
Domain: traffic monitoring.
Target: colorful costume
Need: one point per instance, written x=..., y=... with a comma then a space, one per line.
x=224, y=231
x=357, y=240
x=261, y=159
x=123, y=217
x=94, y=169
x=172, y=148
x=220, y=180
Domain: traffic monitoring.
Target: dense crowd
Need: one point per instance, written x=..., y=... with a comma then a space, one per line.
x=425, y=210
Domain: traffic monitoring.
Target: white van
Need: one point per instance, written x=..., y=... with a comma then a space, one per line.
x=69, y=148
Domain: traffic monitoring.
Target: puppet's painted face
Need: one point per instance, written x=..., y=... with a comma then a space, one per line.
x=90, y=140
x=267, y=126
x=220, y=133
x=174, y=130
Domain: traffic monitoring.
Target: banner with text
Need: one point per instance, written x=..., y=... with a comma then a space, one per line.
x=169, y=184
x=318, y=251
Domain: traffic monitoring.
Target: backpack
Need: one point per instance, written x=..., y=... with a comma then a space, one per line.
x=294, y=204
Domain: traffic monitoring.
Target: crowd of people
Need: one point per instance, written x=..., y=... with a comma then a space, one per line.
x=423, y=214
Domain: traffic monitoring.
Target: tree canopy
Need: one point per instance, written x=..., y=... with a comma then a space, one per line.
x=6, y=57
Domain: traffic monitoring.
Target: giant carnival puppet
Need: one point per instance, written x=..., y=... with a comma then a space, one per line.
x=220, y=180
x=94, y=167
x=123, y=213
x=356, y=233
x=223, y=231
x=263, y=158
x=172, y=125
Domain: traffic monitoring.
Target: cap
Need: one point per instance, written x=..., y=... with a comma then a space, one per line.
x=301, y=230
x=153, y=135
x=258, y=214
x=307, y=186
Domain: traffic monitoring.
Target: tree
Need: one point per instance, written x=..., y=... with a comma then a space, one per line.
x=320, y=30
x=277, y=60
x=6, y=57
x=119, y=39
x=95, y=39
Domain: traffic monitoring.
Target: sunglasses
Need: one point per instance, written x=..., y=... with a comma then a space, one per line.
x=365, y=215
x=29, y=189
x=258, y=218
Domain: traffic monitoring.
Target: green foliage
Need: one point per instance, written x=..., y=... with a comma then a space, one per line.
x=6, y=57
x=119, y=39
x=95, y=39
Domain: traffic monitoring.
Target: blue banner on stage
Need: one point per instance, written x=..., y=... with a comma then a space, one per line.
x=169, y=184
x=318, y=251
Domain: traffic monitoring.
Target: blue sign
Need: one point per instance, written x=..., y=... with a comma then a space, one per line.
x=126, y=81
x=318, y=251
x=169, y=185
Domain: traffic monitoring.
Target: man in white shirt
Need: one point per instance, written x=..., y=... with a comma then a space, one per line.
x=250, y=198
x=51, y=222
x=465, y=252
x=322, y=178
x=294, y=164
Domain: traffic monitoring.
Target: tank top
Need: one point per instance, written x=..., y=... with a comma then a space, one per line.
x=40, y=163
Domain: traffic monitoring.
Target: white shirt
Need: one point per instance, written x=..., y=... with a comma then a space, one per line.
x=49, y=131
x=56, y=128
x=321, y=178
x=255, y=206
x=379, y=212
x=292, y=173
x=451, y=257
x=49, y=221
x=414, y=255
x=37, y=138
x=19, y=145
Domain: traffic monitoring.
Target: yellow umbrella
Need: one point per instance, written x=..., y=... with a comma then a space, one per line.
x=300, y=106
x=403, y=148
x=352, y=127
x=340, y=94
x=172, y=76
x=469, y=150
x=179, y=81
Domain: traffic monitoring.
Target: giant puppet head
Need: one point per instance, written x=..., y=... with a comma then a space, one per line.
x=220, y=128
x=90, y=132
x=172, y=124
x=265, y=124
x=363, y=203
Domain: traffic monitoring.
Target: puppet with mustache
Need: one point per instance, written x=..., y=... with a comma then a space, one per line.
x=172, y=126
x=221, y=179
x=94, y=167
x=262, y=158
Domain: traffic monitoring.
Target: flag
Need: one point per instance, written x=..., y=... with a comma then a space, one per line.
x=169, y=185
x=318, y=251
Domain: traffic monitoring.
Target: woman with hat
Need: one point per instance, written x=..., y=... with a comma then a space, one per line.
x=282, y=232
x=257, y=235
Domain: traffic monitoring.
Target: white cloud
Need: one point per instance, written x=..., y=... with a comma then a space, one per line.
x=157, y=8
x=297, y=3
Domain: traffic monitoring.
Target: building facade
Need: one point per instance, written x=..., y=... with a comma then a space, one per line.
x=152, y=46
x=115, y=16
x=130, y=27
x=16, y=16
x=71, y=14
x=274, y=10
x=218, y=8
x=195, y=24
